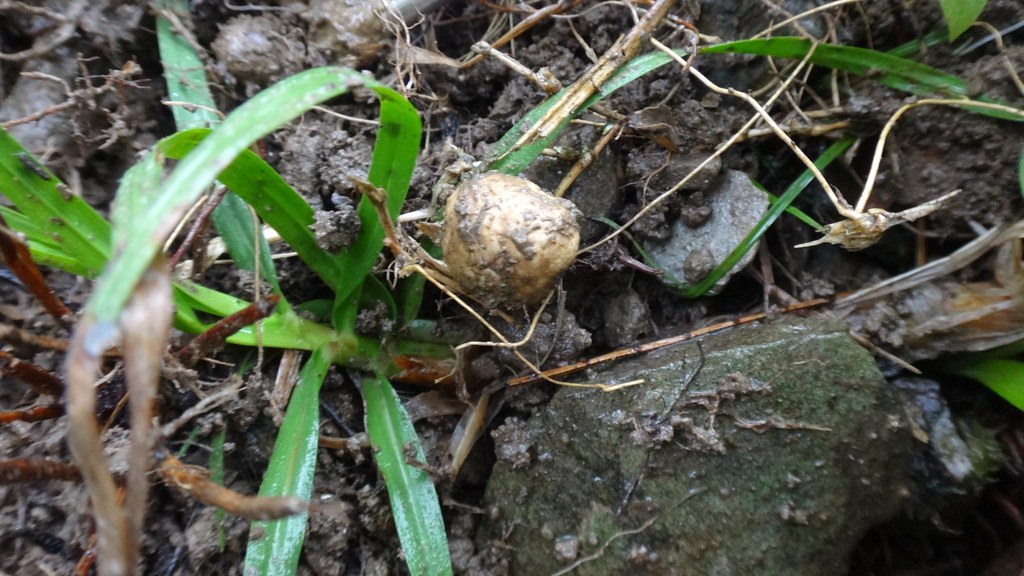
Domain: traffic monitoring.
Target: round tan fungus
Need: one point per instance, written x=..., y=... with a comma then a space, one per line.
x=505, y=240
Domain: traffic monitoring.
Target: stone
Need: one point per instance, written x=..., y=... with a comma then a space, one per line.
x=771, y=455
x=689, y=254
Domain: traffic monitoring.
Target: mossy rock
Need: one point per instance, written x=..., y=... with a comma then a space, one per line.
x=772, y=455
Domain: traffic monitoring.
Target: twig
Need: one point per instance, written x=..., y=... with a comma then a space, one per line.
x=15, y=335
x=600, y=551
x=68, y=24
x=196, y=481
x=201, y=407
x=35, y=470
x=15, y=254
x=37, y=115
x=215, y=336
x=1007, y=63
x=663, y=343
x=586, y=160
x=841, y=206
x=41, y=380
x=527, y=23
x=624, y=49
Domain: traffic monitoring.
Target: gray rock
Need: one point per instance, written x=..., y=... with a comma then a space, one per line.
x=690, y=254
x=773, y=458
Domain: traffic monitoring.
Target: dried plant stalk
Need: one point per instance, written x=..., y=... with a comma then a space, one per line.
x=145, y=323
x=83, y=365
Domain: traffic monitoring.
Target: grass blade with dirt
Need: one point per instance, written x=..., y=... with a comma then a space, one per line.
x=394, y=157
x=274, y=545
x=184, y=72
x=414, y=503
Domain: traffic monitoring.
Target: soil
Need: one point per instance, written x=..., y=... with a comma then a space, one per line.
x=105, y=88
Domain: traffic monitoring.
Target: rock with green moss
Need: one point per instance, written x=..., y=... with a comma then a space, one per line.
x=770, y=451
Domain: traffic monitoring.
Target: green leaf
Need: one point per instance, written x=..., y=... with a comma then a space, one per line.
x=274, y=545
x=960, y=15
x=184, y=72
x=414, y=503
x=274, y=201
x=793, y=210
x=45, y=249
x=61, y=228
x=893, y=71
x=1002, y=376
x=237, y=227
x=280, y=330
x=186, y=84
x=263, y=113
x=516, y=162
x=135, y=194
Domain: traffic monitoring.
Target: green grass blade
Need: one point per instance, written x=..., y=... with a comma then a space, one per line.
x=1020, y=171
x=136, y=193
x=754, y=236
x=895, y=72
x=237, y=227
x=273, y=199
x=394, y=157
x=1003, y=376
x=796, y=212
x=960, y=14
x=183, y=69
x=263, y=113
x=516, y=162
x=280, y=330
x=917, y=45
x=186, y=84
x=274, y=546
x=52, y=215
x=414, y=503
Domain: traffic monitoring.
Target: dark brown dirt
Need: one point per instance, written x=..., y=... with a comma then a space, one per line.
x=114, y=86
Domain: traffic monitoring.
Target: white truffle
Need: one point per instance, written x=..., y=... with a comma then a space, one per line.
x=506, y=241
